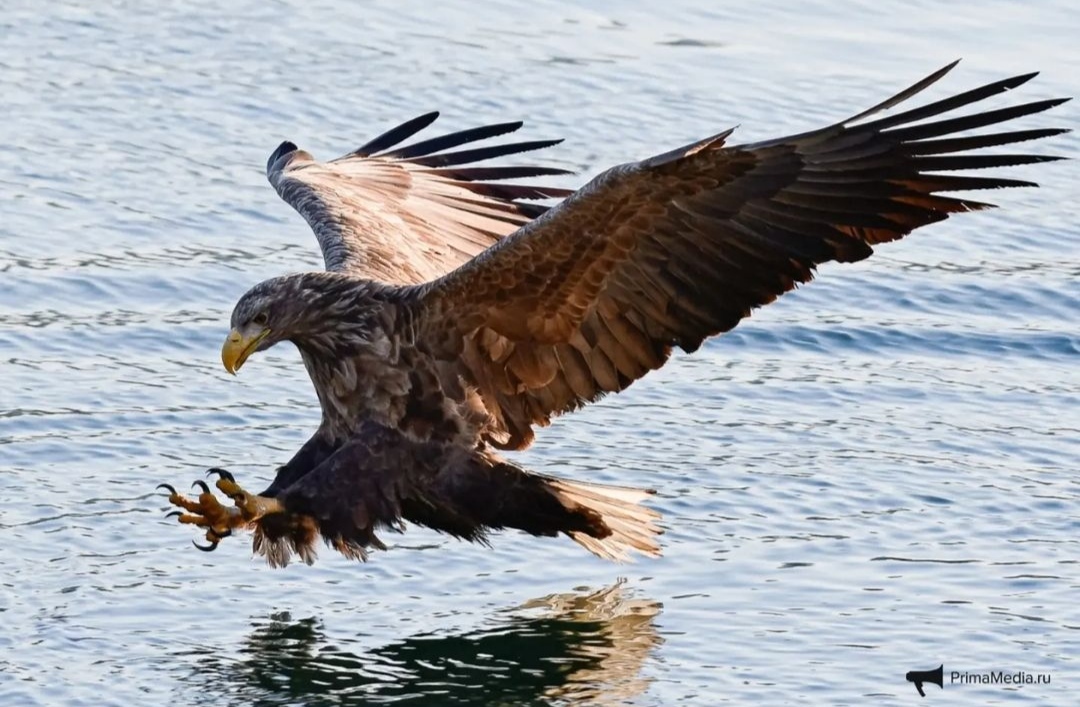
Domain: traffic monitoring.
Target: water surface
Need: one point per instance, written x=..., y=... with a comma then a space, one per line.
x=876, y=474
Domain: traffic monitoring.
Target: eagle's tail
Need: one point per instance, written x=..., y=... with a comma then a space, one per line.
x=620, y=525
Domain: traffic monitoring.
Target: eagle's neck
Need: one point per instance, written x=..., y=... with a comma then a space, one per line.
x=336, y=313
x=343, y=341
x=366, y=368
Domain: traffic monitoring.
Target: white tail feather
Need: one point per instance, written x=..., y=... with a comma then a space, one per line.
x=633, y=526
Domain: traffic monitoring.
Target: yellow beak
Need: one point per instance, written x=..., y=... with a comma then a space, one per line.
x=237, y=348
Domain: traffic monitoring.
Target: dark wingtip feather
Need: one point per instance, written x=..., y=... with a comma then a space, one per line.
x=949, y=104
x=934, y=183
x=396, y=134
x=907, y=93
x=448, y=159
x=283, y=149
x=1022, y=79
x=490, y=174
x=974, y=142
x=445, y=142
x=953, y=162
x=922, y=131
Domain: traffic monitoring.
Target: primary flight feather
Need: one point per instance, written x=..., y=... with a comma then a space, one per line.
x=456, y=315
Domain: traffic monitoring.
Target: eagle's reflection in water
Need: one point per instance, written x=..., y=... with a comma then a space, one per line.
x=574, y=648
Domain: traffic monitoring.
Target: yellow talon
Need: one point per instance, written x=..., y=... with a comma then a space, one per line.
x=207, y=511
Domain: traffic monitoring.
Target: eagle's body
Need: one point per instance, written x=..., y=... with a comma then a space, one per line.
x=422, y=435
x=454, y=318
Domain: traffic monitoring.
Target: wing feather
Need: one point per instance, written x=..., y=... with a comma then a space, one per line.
x=395, y=135
x=666, y=252
x=407, y=214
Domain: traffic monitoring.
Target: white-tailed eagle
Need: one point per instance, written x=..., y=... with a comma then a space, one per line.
x=456, y=315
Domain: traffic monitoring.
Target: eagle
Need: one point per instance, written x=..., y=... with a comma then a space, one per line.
x=456, y=314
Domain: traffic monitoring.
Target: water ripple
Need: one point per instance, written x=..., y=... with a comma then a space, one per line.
x=874, y=474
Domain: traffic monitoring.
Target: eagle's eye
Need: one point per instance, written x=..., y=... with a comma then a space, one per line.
x=260, y=319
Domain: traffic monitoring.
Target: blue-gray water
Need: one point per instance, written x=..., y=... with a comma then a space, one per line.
x=875, y=474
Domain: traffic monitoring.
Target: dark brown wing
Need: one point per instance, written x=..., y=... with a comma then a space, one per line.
x=410, y=214
x=669, y=251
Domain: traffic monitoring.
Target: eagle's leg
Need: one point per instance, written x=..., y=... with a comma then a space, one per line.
x=250, y=506
x=220, y=520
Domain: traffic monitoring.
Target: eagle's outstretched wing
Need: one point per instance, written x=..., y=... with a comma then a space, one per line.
x=666, y=252
x=410, y=214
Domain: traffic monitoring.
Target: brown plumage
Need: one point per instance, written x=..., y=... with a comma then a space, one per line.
x=360, y=205
x=433, y=339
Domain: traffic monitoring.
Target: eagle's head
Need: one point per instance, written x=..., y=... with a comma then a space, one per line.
x=311, y=308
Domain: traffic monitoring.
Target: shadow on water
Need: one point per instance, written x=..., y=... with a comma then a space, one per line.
x=584, y=648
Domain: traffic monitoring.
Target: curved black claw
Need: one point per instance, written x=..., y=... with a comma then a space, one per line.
x=222, y=474
x=202, y=485
x=174, y=513
x=214, y=537
x=167, y=487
